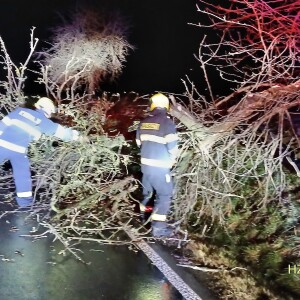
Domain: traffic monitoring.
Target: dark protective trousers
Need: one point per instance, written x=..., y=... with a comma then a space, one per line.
x=158, y=180
x=21, y=173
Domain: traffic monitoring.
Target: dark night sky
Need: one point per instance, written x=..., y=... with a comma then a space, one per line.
x=164, y=42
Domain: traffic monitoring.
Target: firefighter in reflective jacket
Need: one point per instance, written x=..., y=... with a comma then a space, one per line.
x=17, y=130
x=157, y=138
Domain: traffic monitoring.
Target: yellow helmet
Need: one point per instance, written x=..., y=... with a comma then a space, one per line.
x=159, y=100
x=46, y=105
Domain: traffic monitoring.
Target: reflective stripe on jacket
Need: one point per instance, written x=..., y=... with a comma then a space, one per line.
x=158, y=139
x=24, y=125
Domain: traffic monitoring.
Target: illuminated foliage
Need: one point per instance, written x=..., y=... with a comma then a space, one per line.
x=89, y=49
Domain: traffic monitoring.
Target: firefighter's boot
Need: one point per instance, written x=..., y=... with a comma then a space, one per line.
x=160, y=229
x=24, y=201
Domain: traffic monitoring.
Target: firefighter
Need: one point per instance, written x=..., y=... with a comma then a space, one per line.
x=157, y=137
x=17, y=130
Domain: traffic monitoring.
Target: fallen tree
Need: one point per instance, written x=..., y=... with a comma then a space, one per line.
x=235, y=185
x=232, y=188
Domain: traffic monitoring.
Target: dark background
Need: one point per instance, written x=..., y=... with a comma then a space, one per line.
x=164, y=42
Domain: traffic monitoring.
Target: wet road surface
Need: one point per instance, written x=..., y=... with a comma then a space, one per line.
x=37, y=271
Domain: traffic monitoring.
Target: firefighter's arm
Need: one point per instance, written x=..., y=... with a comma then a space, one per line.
x=173, y=151
x=171, y=139
x=66, y=134
x=137, y=138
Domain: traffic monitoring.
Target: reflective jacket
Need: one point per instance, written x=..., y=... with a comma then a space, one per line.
x=23, y=125
x=157, y=137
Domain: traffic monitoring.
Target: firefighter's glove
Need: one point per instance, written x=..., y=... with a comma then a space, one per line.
x=75, y=135
x=173, y=163
x=83, y=139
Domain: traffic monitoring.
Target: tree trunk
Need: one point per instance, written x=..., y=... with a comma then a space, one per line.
x=276, y=98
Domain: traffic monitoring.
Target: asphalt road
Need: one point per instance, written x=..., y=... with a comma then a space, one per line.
x=36, y=271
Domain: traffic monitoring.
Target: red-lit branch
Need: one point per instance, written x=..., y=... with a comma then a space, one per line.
x=260, y=39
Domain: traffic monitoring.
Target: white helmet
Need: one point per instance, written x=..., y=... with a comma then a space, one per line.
x=46, y=105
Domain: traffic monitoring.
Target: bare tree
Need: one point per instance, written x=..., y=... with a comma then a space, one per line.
x=12, y=85
x=88, y=49
x=258, y=40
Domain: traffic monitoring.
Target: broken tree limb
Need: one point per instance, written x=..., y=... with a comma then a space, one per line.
x=281, y=97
